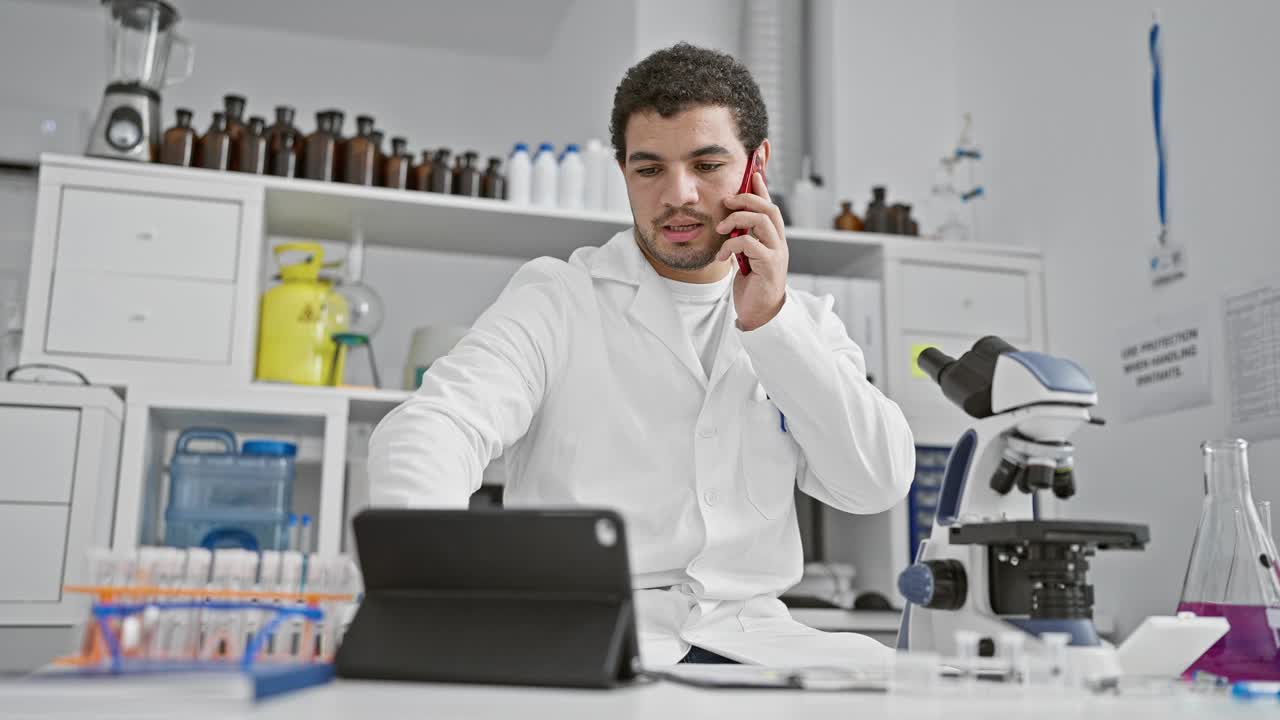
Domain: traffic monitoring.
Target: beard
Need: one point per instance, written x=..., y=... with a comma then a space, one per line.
x=680, y=258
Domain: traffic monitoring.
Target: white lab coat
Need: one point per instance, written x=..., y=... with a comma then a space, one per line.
x=583, y=378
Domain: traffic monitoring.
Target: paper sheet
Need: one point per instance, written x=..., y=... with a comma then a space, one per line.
x=1163, y=365
x=1251, y=331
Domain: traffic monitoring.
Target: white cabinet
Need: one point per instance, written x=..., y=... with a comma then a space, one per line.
x=949, y=298
x=144, y=278
x=36, y=539
x=38, y=445
x=57, y=495
x=148, y=234
x=958, y=299
x=944, y=296
x=140, y=319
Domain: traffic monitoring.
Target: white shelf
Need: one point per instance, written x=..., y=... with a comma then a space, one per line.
x=447, y=223
x=365, y=404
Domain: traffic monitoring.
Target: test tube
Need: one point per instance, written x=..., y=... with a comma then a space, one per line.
x=99, y=572
x=967, y=654
x=125, y=563
x=305, y=535
x=316, y=582
x=351, y=585
x=100, y=567
x=188, y=639
x=290, y=582
x=269, y=571
x=173, y=565
x=128, y=576
x=220, y=629
x=1055, y=645
x=1009, y=647
x=915, y=673
x=268, y=582
x=293, y=533
x=146, y=568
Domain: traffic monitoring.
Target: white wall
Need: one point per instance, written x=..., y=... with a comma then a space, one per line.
x=1061, y=98
x=55, y=53
x=886, y=103
x=434, y=97
x=715, y=24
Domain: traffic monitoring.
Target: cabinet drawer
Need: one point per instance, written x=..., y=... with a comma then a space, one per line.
x=140, y=317
x=148, y=234
x=39, y=450
x=964, y=301
x=35, y=542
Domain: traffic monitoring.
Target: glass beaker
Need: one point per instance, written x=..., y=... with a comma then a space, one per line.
x=1233, y=571
x=351, y=369
x=140, y=35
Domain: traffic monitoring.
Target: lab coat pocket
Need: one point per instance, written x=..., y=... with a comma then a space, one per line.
x=769, y=459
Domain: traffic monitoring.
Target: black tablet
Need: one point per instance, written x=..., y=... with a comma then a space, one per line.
x=523, y=597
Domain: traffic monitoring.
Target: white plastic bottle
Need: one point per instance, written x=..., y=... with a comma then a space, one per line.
x=520, y=175
x=571, y=176
x=595, y=161
x=616, y=200
x=544, y=176
x=804, y=200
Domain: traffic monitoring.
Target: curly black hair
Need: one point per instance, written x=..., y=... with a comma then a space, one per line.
x=683, y=76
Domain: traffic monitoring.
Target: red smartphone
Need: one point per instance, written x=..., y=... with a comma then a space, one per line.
x=753, y=166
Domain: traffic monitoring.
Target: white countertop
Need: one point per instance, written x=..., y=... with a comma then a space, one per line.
x=349, y=700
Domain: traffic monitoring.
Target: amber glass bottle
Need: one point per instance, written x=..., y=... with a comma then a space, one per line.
x=178, y=146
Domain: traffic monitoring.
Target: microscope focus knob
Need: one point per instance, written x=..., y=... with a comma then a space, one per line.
x=936, y=584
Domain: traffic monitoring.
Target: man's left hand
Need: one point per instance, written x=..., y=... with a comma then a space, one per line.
x=759, y=296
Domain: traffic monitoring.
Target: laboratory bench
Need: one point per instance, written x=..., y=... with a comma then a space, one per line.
x=343, y=700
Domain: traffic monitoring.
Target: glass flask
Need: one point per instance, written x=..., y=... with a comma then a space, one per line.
x=1233, y=571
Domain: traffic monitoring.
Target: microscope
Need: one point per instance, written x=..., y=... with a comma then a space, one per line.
x=991, y=565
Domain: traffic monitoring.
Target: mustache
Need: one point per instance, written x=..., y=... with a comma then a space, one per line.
x=672, y=212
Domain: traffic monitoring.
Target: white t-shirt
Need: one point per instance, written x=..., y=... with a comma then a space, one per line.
x=704, y=309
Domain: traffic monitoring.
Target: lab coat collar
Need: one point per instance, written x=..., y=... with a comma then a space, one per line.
x=620, y=259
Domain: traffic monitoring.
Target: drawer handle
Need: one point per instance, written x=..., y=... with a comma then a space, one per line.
x=147, y=235
x=139, y=316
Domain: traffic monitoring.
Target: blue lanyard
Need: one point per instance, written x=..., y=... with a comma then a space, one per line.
x=1157, y=102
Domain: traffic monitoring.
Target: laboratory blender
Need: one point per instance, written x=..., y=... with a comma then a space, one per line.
x=140, y=36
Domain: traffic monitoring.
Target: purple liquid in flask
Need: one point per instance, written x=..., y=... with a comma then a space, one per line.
x=1233, y=571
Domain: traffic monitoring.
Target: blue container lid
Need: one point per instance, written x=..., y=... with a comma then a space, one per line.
x=273, y=448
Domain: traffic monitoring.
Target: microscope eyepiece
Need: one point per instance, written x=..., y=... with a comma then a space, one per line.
x=933, y=361
x=966, y=381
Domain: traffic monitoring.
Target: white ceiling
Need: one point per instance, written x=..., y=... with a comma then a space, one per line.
x=507, y=28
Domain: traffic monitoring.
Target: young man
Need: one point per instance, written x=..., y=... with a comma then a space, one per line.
x=650, y=376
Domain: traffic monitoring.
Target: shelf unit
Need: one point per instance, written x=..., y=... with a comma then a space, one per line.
x=293, y=207
x=165, y=393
